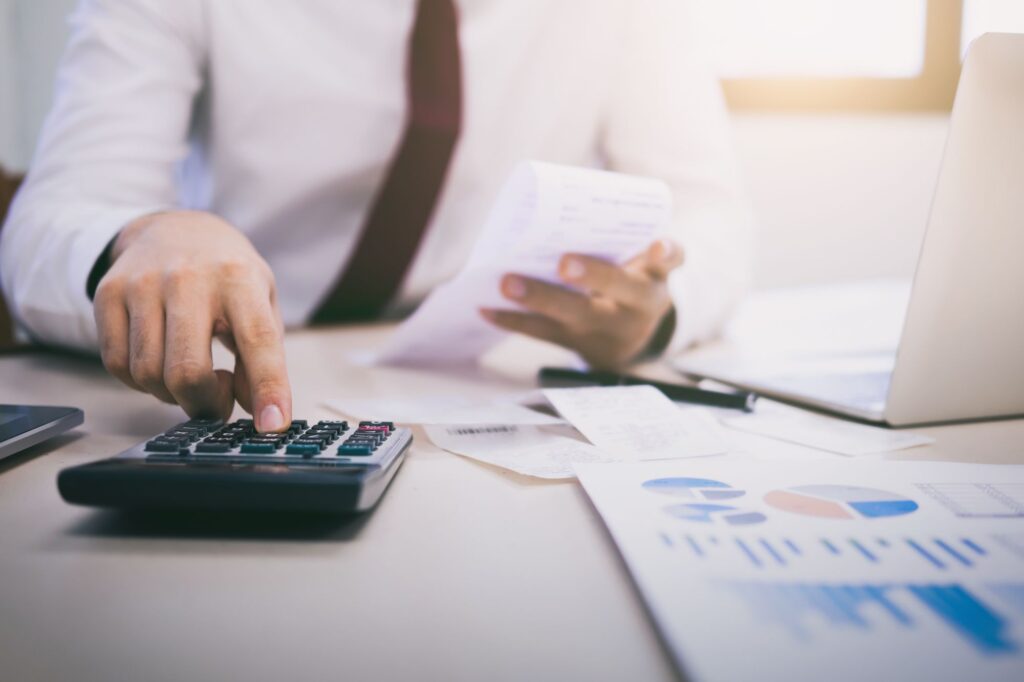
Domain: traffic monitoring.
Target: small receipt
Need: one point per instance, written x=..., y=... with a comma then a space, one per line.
x=527, y=450
x=444, y=409
x=638, y=422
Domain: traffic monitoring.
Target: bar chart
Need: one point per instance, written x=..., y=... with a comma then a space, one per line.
x=934, y=552
x=801, y=607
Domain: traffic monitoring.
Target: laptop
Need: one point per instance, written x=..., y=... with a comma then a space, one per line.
x=960, y=355
x=22, y=426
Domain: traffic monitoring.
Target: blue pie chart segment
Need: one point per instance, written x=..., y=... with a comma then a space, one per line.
x=840, y=501
x=693, y=488
x=712, y=513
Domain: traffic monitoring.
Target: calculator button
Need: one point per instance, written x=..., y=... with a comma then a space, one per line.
x=162, y=446
x=319, y=444
x=372, y=442
x=356, y=449
x=173, y=440
x=259, y=448
x=375, y=438
x=189, y=437
x=309, y=449
x=276, y=440
x=213, y=447
x=382, y=426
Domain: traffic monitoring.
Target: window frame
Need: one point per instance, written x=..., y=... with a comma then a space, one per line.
x=931, y=90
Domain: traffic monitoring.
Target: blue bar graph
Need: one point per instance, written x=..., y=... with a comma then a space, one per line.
x=973, y=546
x=694, y=546
x=776, y=553
x=768, y=547
x=790, y=604
x=864, y=551
x=953, y=553
x=748, y=552
x=928, y=556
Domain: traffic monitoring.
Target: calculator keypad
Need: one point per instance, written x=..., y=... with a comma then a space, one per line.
x=326, y=443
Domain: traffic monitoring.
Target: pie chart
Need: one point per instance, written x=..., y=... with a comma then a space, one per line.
x=840, y=502
x=693, y=488
x=711, y=513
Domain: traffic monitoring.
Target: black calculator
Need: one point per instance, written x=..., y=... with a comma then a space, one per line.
x=204, y=464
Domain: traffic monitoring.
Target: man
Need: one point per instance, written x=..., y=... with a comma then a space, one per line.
x=225, y=168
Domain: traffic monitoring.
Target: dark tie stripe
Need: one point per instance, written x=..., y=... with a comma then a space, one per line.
x=403, y=207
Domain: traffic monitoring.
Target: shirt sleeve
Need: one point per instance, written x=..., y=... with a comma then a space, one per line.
x=107, y=155
x=667, y=119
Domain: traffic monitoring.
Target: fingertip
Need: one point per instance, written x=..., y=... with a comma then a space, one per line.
x=271, y=419
x=571, y=268
x=669, y=252
x=513, y=287
x=488, y=314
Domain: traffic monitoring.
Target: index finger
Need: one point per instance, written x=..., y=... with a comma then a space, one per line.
x=257, y=331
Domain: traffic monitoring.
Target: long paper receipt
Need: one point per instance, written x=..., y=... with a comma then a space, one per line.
x=543, y=212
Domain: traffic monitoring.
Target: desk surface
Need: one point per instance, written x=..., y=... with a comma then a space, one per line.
x=464, y=571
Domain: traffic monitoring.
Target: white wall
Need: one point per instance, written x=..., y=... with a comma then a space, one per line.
x=837, y=197
x=32, y=37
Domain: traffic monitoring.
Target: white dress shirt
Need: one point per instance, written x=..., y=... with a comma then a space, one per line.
x=282, y=117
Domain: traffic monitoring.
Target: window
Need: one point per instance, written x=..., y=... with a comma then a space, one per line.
x=982, y=16
x=815, y=39
x=848, y=54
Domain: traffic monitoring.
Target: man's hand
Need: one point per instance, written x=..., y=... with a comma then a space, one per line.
x=177, y=280
x=609, y=319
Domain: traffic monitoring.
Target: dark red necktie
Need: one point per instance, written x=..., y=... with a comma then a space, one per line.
x=407, y=199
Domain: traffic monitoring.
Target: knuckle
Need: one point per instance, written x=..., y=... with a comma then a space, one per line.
x=114, y=362
x=185, y=376
x=180, y=276
x=262, y=334
x=145, y=373
x=143, y=281
x=268, y=386
x=109, y=289
x=234, y=269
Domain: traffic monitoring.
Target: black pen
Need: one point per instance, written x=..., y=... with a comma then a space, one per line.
x=557, y=376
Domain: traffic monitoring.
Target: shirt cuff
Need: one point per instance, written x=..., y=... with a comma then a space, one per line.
x=89, y=246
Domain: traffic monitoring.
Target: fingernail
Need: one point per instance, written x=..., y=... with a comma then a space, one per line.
x=573, y=268
x=271, y=419
x=515, y=287
x=667, y=247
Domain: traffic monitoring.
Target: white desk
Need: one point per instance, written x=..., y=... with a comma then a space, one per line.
x=464, y=572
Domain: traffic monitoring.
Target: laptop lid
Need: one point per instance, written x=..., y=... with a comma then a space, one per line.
x=961, y=354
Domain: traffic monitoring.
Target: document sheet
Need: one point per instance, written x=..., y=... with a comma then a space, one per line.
x=444, y=409
x=848, y=570
x=622, y=423
x=638, y=422
x=528, y=450
x=543, y=212
x=824, y=433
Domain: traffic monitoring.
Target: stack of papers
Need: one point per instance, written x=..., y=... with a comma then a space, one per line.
x=622, y=424
x=844, y=570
